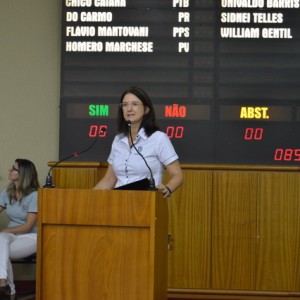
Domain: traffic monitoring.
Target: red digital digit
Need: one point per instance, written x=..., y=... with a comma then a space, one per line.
x=93, y=131
x=258, y=134
x=288, y=155
x=102, y=131
x=297, y=155
x=170, y=131
x=179, y=132
x=278, y=154
x=248, y=134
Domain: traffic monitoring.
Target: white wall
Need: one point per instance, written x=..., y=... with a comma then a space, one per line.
x=29, y=83
x=29, y=89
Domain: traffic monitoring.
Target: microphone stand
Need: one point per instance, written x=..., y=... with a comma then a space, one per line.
x=75, y=154
x=152, y=186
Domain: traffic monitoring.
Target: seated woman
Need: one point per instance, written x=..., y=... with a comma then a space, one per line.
x=19, y=239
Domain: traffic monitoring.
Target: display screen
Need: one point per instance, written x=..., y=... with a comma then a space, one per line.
x=223, y=75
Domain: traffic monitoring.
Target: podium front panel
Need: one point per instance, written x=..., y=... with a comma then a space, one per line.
x=101, y=245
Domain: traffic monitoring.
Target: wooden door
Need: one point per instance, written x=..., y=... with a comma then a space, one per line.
x=190, y=228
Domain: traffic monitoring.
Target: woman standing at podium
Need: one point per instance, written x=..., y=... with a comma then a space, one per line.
x=18, y=240
x=140, y=150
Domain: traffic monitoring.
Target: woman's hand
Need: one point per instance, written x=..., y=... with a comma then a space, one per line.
x=25, y=228
x=166, y=191
x=175, y=179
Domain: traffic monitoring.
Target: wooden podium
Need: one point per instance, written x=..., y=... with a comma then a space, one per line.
x=101, y=245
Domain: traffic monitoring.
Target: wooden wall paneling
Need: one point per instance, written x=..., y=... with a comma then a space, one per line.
x=190, y=227
x=278, y=260
x=77, y=175
x=295, y=286
x=69, y=178
x=234, y=230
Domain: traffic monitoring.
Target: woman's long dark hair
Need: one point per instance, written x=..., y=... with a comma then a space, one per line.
x=28, y=181
x=148, y=121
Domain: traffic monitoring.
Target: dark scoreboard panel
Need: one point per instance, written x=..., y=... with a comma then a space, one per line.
x=224, y=75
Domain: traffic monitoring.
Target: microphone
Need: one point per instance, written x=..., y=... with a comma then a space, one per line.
x=152, y=186
x=48, y=183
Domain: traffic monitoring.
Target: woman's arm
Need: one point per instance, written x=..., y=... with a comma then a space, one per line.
x=175, y=180
x=24, y=228
x=109, y=180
